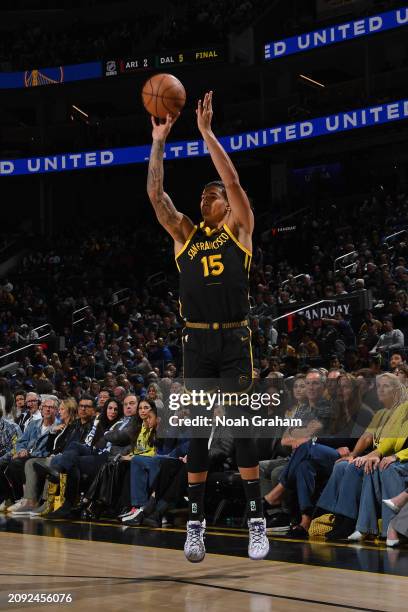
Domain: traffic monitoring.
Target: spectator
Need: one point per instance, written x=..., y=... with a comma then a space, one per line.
x=391, y=339
x=59, y=437
x=341, y=496
x=399, y=524
x=397, y=359
x=32, y=443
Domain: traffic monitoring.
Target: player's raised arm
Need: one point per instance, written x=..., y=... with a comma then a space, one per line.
x=237, y=198
x=177, y=224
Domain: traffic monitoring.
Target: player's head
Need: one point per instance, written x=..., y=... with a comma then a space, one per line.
x=214, y=203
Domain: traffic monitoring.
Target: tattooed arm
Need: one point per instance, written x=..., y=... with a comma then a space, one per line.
x=178, y=225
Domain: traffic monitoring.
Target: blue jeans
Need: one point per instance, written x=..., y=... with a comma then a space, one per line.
x=381, y=484
x=341, y=494
x=143, y=471
x=307, y=462
x=65, y=461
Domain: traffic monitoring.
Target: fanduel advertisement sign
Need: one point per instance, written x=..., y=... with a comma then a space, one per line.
x=267, y=137
x=337, y=33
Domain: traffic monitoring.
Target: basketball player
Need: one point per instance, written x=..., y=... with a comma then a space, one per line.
x=213, y=259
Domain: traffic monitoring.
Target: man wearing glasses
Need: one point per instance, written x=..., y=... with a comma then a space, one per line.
x=33, y=412
x=86, y=415
x=33, y=443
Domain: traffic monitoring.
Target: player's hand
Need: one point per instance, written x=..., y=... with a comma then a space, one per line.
x=205, y=113
x=161, y=130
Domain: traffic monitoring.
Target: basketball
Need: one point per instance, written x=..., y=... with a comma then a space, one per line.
x=163, y=94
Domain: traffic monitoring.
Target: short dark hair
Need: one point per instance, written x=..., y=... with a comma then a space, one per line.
x=89, y=398
x=220, y=186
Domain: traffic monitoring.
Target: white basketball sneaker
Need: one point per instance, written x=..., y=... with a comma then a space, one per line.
x=194, y=548
x=258, y=546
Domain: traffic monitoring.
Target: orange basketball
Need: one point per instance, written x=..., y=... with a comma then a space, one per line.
x=163, y=94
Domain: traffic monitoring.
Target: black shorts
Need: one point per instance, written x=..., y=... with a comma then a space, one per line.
x=221, y=358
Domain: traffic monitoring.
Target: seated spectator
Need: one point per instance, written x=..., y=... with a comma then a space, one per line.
x=86, y=415
x=103, y=396
x=171, y=482
x=119, y=441
x=397, y=359
x=21, y=408
x=86, y=458
x=9, y=434
x=332, y=383
x=367, y=381
x=368, y=321
x=399, y=524
x=352, y=417
x=6, y=400
x=308, y=346
x=144, y=465
x=308, y=458
x=402, y=372
x=155, y=395
x=32, y=443
x=391, y=339
x=284, y=348
x=59, y=437
x=385, y=473
x=341, y=495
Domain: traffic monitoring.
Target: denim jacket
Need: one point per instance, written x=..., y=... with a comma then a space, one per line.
x=33, y=440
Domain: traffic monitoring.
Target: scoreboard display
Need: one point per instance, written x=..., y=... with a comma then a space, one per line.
x=205, y=55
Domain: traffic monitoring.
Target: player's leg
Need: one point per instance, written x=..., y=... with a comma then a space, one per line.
x=197, y=466
x=247, y=460
x=199, y=369
x=237, y=375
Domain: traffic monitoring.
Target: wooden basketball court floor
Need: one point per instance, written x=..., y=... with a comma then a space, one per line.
x=107, y=566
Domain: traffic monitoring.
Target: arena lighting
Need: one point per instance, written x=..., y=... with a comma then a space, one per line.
x=309, y=80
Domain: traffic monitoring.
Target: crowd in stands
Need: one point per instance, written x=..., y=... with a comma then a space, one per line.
x=84, y=417
x=34, y=45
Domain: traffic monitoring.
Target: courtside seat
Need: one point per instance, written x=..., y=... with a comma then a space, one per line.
x=225, y=488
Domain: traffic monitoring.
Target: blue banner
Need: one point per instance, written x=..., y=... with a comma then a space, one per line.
x=50, y=76
x=337, y=33
x=267, y=137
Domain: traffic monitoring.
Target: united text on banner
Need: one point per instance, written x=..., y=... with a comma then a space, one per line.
x=322, y=126
x=337, y=33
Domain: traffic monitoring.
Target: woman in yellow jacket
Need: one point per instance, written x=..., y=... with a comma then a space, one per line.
x=386, y=474
x=144, y=467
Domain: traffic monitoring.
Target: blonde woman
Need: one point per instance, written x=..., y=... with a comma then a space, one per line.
x=58, y=439
x=341, y=495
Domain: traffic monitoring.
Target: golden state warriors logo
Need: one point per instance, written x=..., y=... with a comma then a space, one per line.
x=44, y=76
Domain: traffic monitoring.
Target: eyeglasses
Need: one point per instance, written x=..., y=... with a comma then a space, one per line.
x=33, y=401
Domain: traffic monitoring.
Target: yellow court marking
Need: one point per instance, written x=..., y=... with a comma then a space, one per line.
x=231, y=535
